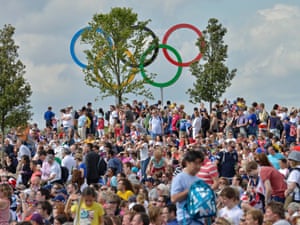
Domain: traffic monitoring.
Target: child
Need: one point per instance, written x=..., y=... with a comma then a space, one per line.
x=88, y=211
x=231, y=210
x=100, y=126
x=5, y=195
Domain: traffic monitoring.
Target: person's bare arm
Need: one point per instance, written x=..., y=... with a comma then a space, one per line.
x=268, y=189
x=179, y=196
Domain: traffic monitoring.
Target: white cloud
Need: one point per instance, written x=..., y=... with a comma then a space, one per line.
x=264, y=46
x=279, y=13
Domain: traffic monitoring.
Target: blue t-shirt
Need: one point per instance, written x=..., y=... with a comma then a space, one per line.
x=83, y=166
x=253, y=119
x=180, y=183
x=274, y=160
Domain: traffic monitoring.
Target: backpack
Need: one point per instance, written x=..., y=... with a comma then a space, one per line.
x=64, y=174
x=293, y=130
x=201, y=202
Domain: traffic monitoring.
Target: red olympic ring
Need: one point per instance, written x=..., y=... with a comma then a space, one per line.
x=165, y=39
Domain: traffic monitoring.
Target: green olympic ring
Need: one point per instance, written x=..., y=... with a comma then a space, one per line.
x=165, y=84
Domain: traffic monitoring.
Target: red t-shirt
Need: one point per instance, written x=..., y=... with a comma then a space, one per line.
x=276, y=179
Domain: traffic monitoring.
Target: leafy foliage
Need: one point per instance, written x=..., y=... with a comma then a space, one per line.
x=212, y=76
x=109, y=66
x=14, y=90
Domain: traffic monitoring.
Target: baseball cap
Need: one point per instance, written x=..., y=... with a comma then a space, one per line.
x=62, y=191
x=59, y=198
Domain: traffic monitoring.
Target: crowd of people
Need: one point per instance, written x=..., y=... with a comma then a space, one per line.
x=134, y=165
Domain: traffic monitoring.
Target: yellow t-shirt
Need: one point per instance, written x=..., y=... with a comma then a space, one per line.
x=125, y=195
x=89, y=215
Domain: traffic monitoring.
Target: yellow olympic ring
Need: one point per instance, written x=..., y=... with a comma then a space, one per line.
x=124, y=83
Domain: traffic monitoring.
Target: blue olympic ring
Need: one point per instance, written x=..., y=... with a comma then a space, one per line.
x=75, y=38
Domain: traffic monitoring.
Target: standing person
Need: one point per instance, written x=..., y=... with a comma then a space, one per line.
x=197, y=123
x=292, y=193
x=48, y=115
x=273, y=181
x=129, y=118
x=227, y=160
x=67, y=120
x=205, y=124
x=143, y=149
x=100, y=126
x=242, y=122
x=252, y=122
x=89, y=114
x=81, y=123
x=209, y=172
x=5, y=196
x=183, y=181
x=155, y=124
x=88, y=211
x=288, y=135
x=91, y=162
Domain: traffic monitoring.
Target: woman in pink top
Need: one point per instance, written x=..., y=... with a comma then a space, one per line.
x=5, y=195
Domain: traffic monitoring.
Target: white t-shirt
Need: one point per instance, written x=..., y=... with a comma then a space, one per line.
x=113, y=115
x=69, y=162
x=144, y=152
x=55, y=169
x=24, y=150
x=156, y=125
x=196, y=126
x=294, y=177
x=67, y=120
x=233, y=215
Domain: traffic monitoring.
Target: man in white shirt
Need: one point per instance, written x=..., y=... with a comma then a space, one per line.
x=23, y=149
x=55, y=170
x=68, y=161
x=156, y=124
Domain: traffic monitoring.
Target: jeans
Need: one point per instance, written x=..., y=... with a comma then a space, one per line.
x=144, y=165
x=278, y=199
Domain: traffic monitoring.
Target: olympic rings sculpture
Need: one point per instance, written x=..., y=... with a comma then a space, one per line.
x=143, y=61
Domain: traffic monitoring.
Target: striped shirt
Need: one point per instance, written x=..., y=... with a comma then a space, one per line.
x=208, y=171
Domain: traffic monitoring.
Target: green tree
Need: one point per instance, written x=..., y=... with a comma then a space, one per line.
x=119, y=45
x=212, y=75
x=14, y=90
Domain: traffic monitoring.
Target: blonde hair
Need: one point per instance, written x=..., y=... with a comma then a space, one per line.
x=140, y=198
x=157, y=152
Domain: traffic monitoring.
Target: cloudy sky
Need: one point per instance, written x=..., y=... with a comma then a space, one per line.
x=263, y=38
